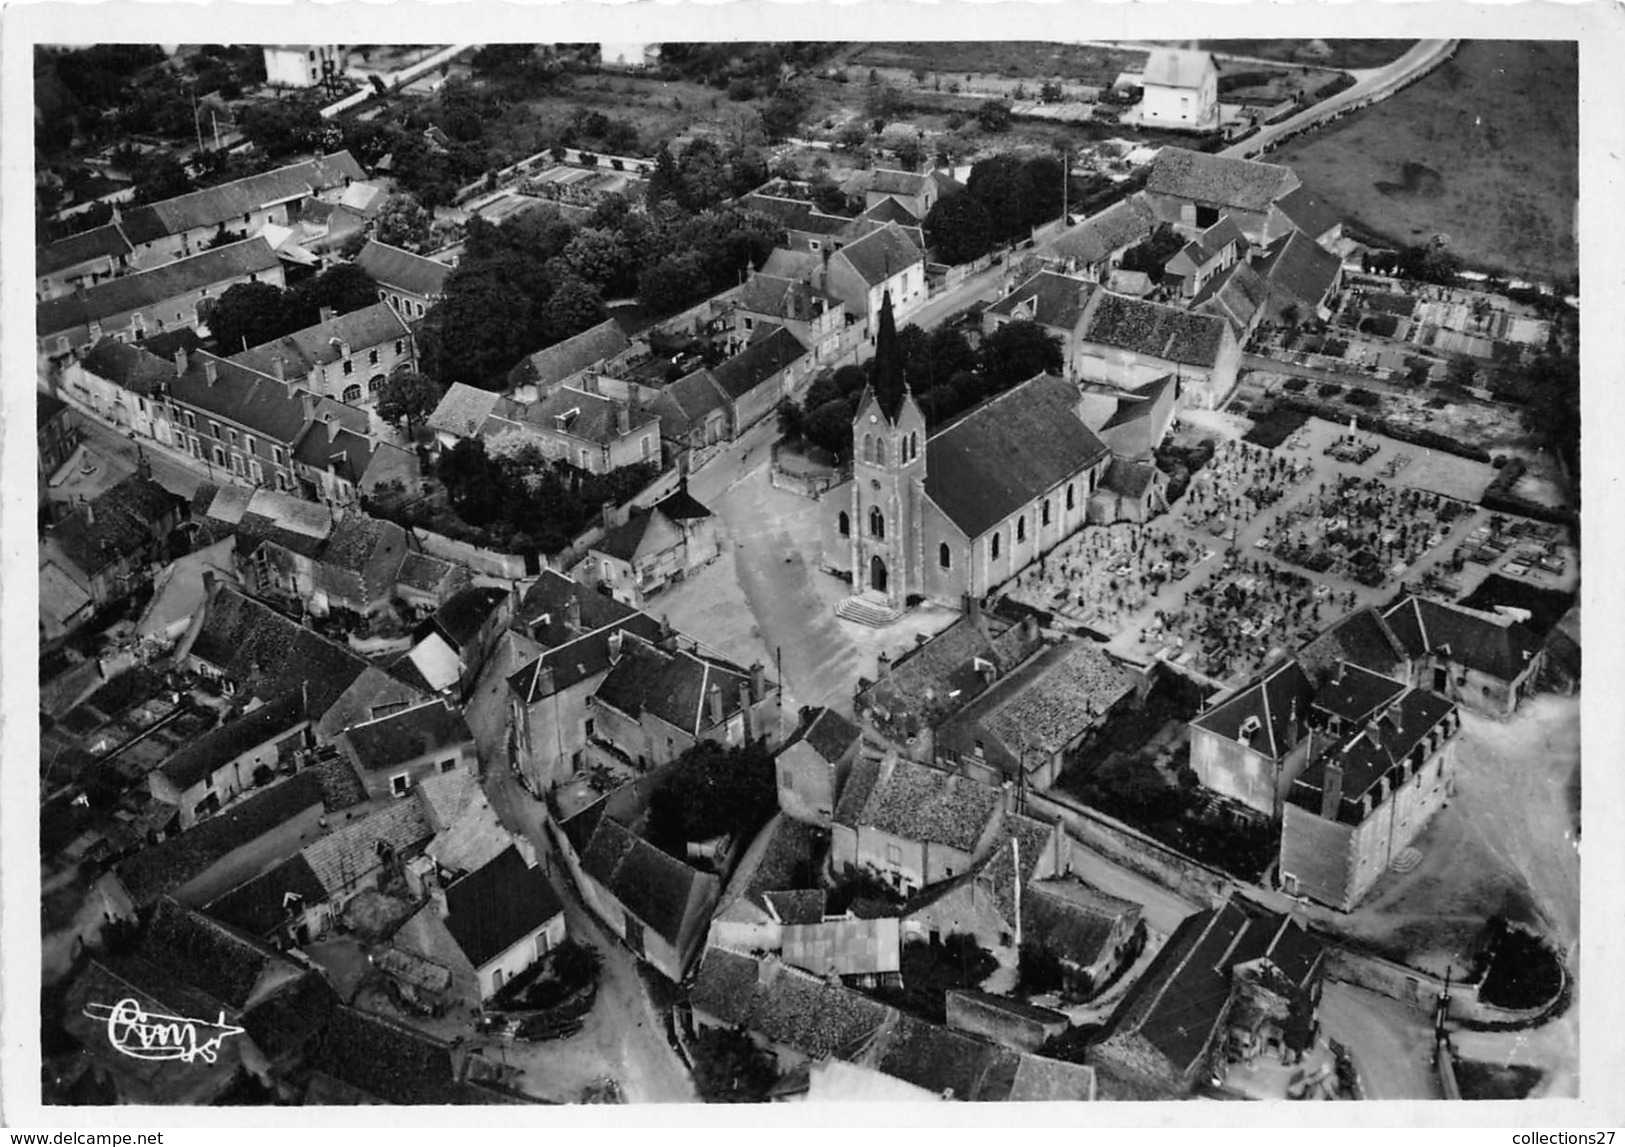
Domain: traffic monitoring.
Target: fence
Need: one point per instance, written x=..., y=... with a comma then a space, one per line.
x=507, y=566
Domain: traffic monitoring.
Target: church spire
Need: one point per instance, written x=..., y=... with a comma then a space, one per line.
x=888, y=367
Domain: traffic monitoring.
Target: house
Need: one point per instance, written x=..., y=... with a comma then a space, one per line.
x=1302, y=276
x=815, y=319
x=813, y=766
x=1210, y=253
x=1251, y=746
x=453, y=643
x=395, y=752
x=179, y=227
x=303, y=65
x=1487, y=662
x=177, y=593
x=1031, y=721
x=1140, y=419
x=650, y=549
x=463, y=410
x=488, y=925
x=293, y=550
x=773, y=885
x=1238, y=296
x=983, y=902
x=553, y=366
x=1093, y=248
x=1380, y=771
x=771, y=370
x=284, y=907
x=583, y=634
x=987, y=495
x=694, y=412
x=656, y=904
x=655, y=702
x=916, y=192
x=77, y=261
x=409, y=283
x=864, y=953
x=1091, y=933
x=56, y=433
x=1170, y=1033
x=586, y=430
x=1193, y=189
x=105, y=545
x=1011, y=1022
x=1128, y=342
x=347, y=357
x=372, y=850
x=241, y=754
x=883, y=263
x=132, y=306
x=360, y=1059
x=1313, y=216
x=1055, y=302
x=911, y=825
x=426, y=582
x=1361, y=638
x=1181, y=90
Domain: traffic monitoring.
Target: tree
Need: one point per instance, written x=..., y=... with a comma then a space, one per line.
x=408, y=397
x=598, y=256
x=665, y=182
x=1001, y=185
x=344, y=287
x=852, y=135
x=1040, y=970
x=959, y=228
x=782, y=115
x=829, y=427
x=994, y=116
x=477, y=332
x=252, y=314
x=729, y=1067
x=714, y=790
x=282, y=127
x=574, y=307
x=403, y=223
x=673, y=283
x=1016, y=351
x=473, y=482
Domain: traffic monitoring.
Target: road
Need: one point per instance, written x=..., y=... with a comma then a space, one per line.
x=1317, y=374
x=168, y=469
x=1392, y=1044
x=1376, y=84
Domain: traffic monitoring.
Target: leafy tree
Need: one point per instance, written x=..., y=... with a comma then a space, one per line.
x=251, y=314
x=408, y=397
x=1554, y=408
x=665, y=182
x=479, y=330
x=673, y=283
x=729, y=1067
x=403, y=223
x=852, y=135
x=829, y=426
x=994, y=116
x=473, y=482
x=827, y=195
x=959, y=228
x=599, y=256
x=283, y=127
x=782, y=115
x=1016, y=351
x=713, y=790
x=1040, y=970
x=574, y=307
x=1001, y=185
x=1152, y=253
x=343, y=286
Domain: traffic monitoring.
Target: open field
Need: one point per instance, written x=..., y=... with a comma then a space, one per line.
x=1483, y=151
x=1337, y=54
x=1031, y=61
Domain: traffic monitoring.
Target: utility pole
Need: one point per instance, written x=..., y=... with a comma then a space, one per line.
x=197, y=124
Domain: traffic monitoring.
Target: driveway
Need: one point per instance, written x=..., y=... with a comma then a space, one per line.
x=1392, y=1044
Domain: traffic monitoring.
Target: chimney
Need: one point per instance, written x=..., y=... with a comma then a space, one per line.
x=883, y=666
x=1373, y=731
x=668, y=636
x=1331, y=793
x=748, y=698
x=1337, y=678
x=279, y=367
x=332, y=428
x=181, y=361
x=623, y=419
x=90, y=510
x=307, y=401
x=1293, y=730
x=616, y=640
x=437, y=895
x=758, y=681
x=211, y=371
x=714, y=696
x=544, y=681
x=1249, y=729
x=327, y=314
x=607, y=513
x=572, y=614
x=1029, y=628
x=767, y=969
x=344, y=348
x=208, y=583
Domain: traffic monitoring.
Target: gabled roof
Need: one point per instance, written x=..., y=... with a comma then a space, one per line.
x=886, y=181
x=432, y=727
x=463, y=409
x=261, y=905
x=1154, y=329
x=674, y=686
x=696, y=394
x=784, y=263
x=844, y=947
x=131, y=366
x=147, y=288
x=1178, y=68
x=1006, y=452
x=1094, y=239
x=791, y=1008
x=117, y=524
x=1235, y=295
x=1051, y=701
x=779, y=863
x=1309, y=212
x=579, y=414
x=425, y=572
x=758, y=362
x=1360, y=638
x=228, y=201
x=387, y=1061
x=257, y=402
x=402, y=270
x=1129, y=479
x=104, y=242
x=1355, y=694
x=658, y=889
x=344, y=858
x=1270, y=705
x=1424, y=626
x=270, y=654
x=545, y=608
x=890, y=210
x=917, y=802
x=207, y=954
x=1049, y=299
x=880, y=254
x=302, y=351
x=1244, y=184
x=1074, y=919
x=576, y=659
x=495, y=907
x=202, y=757
x=623, y=541
x=284, y=1024
x=829, y=734
x=781, y=208
x=465, y=613
x=782, y=298
x=558, y=362
x=1299, y=271
x=1366, y=756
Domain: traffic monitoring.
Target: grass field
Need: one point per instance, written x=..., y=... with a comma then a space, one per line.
x=1338, y=54
x=1483, y=151
x=1026, y=60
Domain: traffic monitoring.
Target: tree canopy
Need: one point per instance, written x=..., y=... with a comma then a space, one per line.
x=959, y=228
x=407, y=397
x=713, y=790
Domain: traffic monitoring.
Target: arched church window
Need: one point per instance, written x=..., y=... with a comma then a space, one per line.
x=993, y=548
x=877, y=522
x=1071, y=500
x=844, y=524
x=868, y=447
x=1044, y=512
x=1021, y=528
x=945, y=558
x=880, y=451
x=913, y=445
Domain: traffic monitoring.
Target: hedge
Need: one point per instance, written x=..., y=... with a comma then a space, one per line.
x=1428, y=439
x=1499, y=498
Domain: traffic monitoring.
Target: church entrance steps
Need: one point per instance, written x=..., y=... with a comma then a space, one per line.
x=866, y=610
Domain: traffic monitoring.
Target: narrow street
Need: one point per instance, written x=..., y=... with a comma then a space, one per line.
x=1392, y=1044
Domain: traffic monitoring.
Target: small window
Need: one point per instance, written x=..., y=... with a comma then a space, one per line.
x=1071, y=500
x=400, y=346
x=993, y=547
x=1021, y=528
x=981, y=749
x=252, y=446
x=1006, y=940
x=844, y=523
x=372, y=357
x=400, y=784
x=877, y=523
x=214, y=430
x=894, y=854
x=349, y=367
x=1044, y=513
x=276, y=455
x=232, y=434
x=750, y=323
x=945, y=557
x=448, y=764
x=352, y=393
x=787, y=781
x=256, y=472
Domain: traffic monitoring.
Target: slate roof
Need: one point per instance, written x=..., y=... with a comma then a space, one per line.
x=104, y=242
x=596, y=344
x=681, y=506
x=844, y=947
x=304, y=350
x=695, y=395
x=432, y=727
x=1464, y=637
x=1053, y=700
x=921, y=803
x=1074, y=919
x=129, y=365
x=493, y=908
x=623, y=541
x=261, y=905
x=226, y=202
x=1049, y=299
x=147, y=288
x=1093, y=240
x=270, y=654
x=1368, y=754
x=1281, y=691
x=1299, y=270
x=1177, y=67
x=1008, y=451
x=402, y=270
x=581, y=415
x=164, y=867
x=344, y=857
x=424, y=572
x=656, y=888
x=890, y=210
x=782, y=298
x=673, y=686
x=1129, y=479
x=791, y=264
x=1309, y=212
x=255, y=401
x=761, y=360
x=886, y=181
x=1244, y=184
x=463, y=409
x=1154, y=330
x=462, y=616
x=1354, y=694
x=270, y=722
x=880, y=254
x=205, y=953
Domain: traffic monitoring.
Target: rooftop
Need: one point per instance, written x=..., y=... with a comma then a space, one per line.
x=656, y=888
x=1498, y=647
x=271, y=722
x=1154, y=330
x=918, y=802
x=844, y=947
x=1269, y=715
x=1244, y=184
x=269, y=654
x=1094, y=239
x=761, y=360
x=495, y=907
x=1047, y=298
x=147, y=288
x=1178, y=68
x=1051, y=701
x=215, y=205
x=881, y=254
x=425, y=729
x=674, y=686
x=558, y=362
x=1370, y=754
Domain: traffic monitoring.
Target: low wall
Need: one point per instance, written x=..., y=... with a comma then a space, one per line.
x=507, y=566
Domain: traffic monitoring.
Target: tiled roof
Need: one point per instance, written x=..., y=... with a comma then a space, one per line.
x=387, y=1060
x=1244, y=184
x=1467, y=638
x=432, y=727
x=623, y=541
x=270, y=654
x=890, y=210
x=205, y=953
x=987, y=1001
x=697, y=394
x=1072, y=918
x=304, y=350
x=596, y=344
x=791, y=264
x=1008, y=451
x=284, y=1025
x=424, y=572
x=993, y=880
x=918, y=802
x=885, y=181
x=782, y=298
x=1047, y=298
x=1282, y=694
x=343, y=858
x=800, y=906
x=1309, y=212
x=880, y=254
x=1299, y=271
x=790, y=213
x=164, y=867
x=844, y=947
x=1129, y=479
x=658, y=889
x=1043, y=1080
x=830, y=735
x=673, y=686
x=1177, y=68
x=1235, y=296
x=1154, y=329
x=780, y=862
x=1094, y=239
x=146, y=288
x=949, y=1062
x=463, y=409
x=794, y=1009
x=104, y=242
x=493, y=908
x=259, y=906
x=1368, y=754
x=117, y=524
x=222, y=204
x=203, y=756
x=402, y=270
x=1050, y=702
x=758, y=362
x=133, y=367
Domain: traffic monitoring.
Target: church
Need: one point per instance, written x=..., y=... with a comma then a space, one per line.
x=961, y=510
